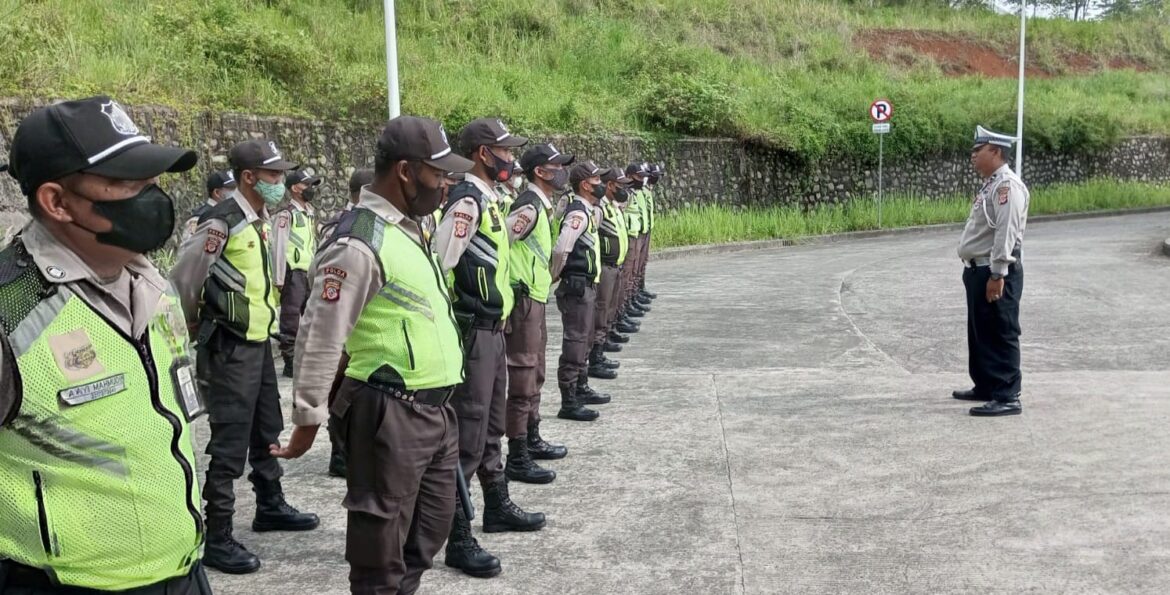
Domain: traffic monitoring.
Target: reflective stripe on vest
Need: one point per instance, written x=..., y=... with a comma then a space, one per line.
x=406, y=337
x=613, y=230
x=480, y=280
x=529, y=257
x=302, y=241
x=238, y=293
x=97, y=471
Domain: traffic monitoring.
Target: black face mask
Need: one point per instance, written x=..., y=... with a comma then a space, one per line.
x=141, y=223
x=425, y=199
x=638, y=184
x=499, y=169
x=560, y=179
x=621, y=195
x=599, y=190
x=308, y=194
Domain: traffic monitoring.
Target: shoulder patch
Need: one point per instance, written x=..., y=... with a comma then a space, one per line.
x=521, y=223
x=461, y=228
x=1003, y=192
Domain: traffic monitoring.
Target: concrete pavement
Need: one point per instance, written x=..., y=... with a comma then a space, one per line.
x=783, y=424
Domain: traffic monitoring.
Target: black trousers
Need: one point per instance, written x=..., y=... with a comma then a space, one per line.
x=993, y=333
x=293, y=298
x=23, y=580
x=243, y=408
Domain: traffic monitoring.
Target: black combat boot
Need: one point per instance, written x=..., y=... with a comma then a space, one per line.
x=625, y=325
x=541, y=450
x=501, y=514
x=224, y=553
x=597, y=367
x=274, y=514
x=649, y=294
x=464, y=553
x=610, y=346
x=612, y=364
x=588, y=396
x=288, y=368
x=634, y=311
x=643, y=302
x=572, y=408
x=520, y=466
x=616, y=337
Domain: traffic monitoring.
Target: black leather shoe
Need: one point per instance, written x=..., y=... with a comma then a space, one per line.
x=617, y=337
x=643, y=302
x=601, y=372
x=649, y=294
x=998, y=408
x=501, y=514
x=969, y=395
x=571, y=407
x=541, y=450
x=274, y=514
x=337, y=465
x=287, y=372
x=633, y=312
x=464, y=552
x=224, y=553
x=520, y=466
x=610, y=347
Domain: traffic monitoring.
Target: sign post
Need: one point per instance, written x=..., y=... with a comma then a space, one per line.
x=880, y=112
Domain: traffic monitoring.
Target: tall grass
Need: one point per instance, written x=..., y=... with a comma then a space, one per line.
x=718, y=224
x=781, y=72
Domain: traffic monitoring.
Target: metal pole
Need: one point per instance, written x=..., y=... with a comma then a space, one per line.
x=881, y=151
x=391, y=58
x=1020, y=98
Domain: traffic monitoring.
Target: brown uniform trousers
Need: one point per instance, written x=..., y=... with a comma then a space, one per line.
x=480, y=403
x=634, y=266
x=608, y=296
x=577, y=318
x=401, y=486
x=526, y=339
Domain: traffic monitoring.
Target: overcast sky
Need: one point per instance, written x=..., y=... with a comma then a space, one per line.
x=1011, y=6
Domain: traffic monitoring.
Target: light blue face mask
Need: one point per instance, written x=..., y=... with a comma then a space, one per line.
x=271, y=193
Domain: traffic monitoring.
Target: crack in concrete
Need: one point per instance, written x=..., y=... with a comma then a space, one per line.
x=840, y=303
x=730, y=483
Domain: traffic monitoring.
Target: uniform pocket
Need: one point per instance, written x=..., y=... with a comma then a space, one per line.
x=409, y=347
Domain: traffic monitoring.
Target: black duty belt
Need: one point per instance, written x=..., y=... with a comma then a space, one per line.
x=487, y=324
x=27, y=577
x=435, y=397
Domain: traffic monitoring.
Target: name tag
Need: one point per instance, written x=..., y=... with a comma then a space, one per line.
x=79, y=395
x=187, y=390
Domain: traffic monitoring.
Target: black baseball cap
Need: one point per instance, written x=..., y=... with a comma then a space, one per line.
x=614, y=174
x=301, y=175
x=220, y=179
x=542, y=155
x=637, y=168
x=258, y=154
x=583, y=171
x=412, y=138
x=93, y=135
x=490, y=132
x=359, y=178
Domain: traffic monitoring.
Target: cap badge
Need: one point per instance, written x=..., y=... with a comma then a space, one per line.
x=119, y=119
x=230, y=177
x=443, y=134
x=502, y=127
x=275, y=151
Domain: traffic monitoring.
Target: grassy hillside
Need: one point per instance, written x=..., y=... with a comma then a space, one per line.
x=785, y=73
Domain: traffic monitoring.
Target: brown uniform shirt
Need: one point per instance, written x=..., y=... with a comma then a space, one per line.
x=354, y=277
x=281, y=225
x=197, y=254
x=128, y=301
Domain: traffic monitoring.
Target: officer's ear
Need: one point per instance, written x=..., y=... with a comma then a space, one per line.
x=400, y=170
x=48, y=203
x=248, y=177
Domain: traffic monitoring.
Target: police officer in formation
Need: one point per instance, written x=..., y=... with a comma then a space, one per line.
x=294, y=242
x=219, y=185
x=98, y=491
x=472, y=242
x=614, y=245
x=224, y=280
x=993, y=276
x=380, y=306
